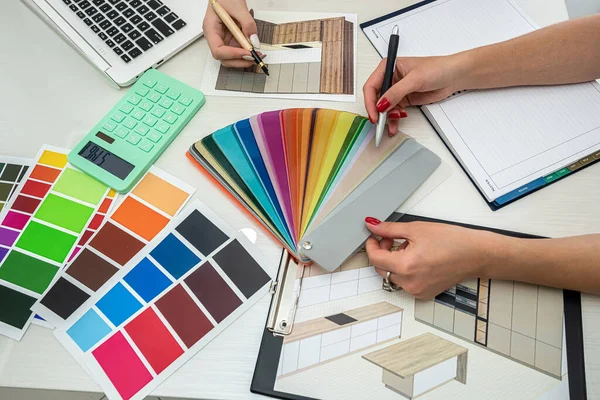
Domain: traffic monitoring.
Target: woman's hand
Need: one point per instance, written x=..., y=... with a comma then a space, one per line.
x=417, y=81
x=433, y=256
x=221, y=42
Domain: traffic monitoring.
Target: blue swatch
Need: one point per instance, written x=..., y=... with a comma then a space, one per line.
x=174, y=256
x=147, y=280
x=88, y=330
x=118, y=304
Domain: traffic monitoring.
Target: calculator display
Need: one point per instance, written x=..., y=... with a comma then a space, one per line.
x=106, y=160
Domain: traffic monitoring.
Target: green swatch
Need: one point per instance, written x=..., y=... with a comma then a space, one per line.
x=64, y=213
x=17, y=312
x=46, y=242
x=80, y=186
x=27, y=272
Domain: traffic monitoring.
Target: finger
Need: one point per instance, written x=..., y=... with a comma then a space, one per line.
x=243, y=17
x=396, y=93
x=392, y=230
x=386, y=244
x=371, y=91
x=237, y=63
x=395, y=279
x=393, y=126
x=379, y=257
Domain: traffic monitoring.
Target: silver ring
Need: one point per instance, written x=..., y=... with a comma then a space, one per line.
x=388, y=285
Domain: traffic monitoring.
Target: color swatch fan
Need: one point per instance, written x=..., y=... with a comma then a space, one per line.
x=310, y=176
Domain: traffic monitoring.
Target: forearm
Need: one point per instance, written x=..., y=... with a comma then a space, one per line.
x=570, y=263
x=568, y=52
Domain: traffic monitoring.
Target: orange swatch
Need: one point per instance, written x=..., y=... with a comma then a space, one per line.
x=139, y=218
x=160, y=193
x=46, y=174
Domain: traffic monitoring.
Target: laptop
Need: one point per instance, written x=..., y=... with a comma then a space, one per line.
x=124, y=38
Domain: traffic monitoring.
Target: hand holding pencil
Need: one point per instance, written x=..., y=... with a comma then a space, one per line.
x=230, y=30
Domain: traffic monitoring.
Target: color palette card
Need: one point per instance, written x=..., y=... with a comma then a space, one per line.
x=39, y=228
x=292, y=168
x=176, y=295
x=142, y=214
x=12, y=170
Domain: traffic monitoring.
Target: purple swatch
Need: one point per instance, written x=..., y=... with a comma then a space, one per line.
x=8, y=237
x=15, y=220
x=270, y=124
x=3, y=252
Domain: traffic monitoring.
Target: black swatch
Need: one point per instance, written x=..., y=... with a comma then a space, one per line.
x=15, y=310
x=201, y=233
x=64, y=298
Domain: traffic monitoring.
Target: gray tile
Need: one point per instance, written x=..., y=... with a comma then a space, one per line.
x=550, y=316
x=300, y=78
x=548, y=358
x=522, y=348
x=524, y=315
x=259, y=83
x=464, y=325
x=424, y=310
x=498, y=339
x=314, y=78
x=286, y=78
x=443, y=317
x=248, y=81
x=234, y=79
x=272, y=80
x=501, y=303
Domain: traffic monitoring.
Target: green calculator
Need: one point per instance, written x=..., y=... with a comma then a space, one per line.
x=127, y=141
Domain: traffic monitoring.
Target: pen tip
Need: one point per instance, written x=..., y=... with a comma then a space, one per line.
x=265, y=70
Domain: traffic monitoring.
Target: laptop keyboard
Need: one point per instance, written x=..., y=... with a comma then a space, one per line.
x=128, y=27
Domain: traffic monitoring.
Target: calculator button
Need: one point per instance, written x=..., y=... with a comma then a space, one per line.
x=146, y=146
x=133, y=138
x=186, y=101
x=178, y=109
x=121, y=132
x=166, y=103
x=117, y=117
x=138, y=114
x=173, y=94
x=142, y=91
x=162, y=127
x=158, y=111
x=142, y=130
x=126, y=108
x=170, y=118
x=109, y=126
x=129, y=123
x=145, y=105
x=154, y=97
x=154, y=136
x=162, y=89
x=150, y=120
x=150, y=83
x=135, y=99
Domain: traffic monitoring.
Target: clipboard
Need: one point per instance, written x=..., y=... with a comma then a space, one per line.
x=285, y=295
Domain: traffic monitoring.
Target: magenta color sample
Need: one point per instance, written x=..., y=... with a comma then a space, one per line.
x=270, y=129
x=15, y=220
x=8, y=237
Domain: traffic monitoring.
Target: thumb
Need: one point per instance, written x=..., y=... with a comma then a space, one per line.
x=396, y=93
x=390, y=230
x=245, y=19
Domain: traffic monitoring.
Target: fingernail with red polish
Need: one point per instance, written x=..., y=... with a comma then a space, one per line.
x=372, y=221
x=394, y=115
x=371, y=119
x=383, y=104
x=403, y=114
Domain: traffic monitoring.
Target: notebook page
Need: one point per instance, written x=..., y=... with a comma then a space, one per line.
x=506, y=138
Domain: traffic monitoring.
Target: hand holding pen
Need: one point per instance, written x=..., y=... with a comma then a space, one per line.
x=231, y=33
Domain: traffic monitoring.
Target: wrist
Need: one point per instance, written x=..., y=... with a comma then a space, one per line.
x=493, y=254
x=462, y=66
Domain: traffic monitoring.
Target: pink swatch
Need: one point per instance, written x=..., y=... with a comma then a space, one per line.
x=16, y=220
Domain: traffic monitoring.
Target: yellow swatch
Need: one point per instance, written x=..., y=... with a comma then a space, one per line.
x=338, y=137
x=53, y=159
x=325, y=122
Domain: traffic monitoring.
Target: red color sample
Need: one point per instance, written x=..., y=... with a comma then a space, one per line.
x=122, y=366
x=85, y=237
x=35, y=189
x=105, y=205
x=26, y=204
x=96, y=221
x=154, y=340
x=43, y=173
x=16, y=220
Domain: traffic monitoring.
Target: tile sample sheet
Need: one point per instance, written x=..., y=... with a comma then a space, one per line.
x=40, y=227
x=12, y=170
x=189, y=283
x=142, y=214
x=310, y=56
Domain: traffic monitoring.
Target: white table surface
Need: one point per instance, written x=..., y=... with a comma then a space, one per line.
x=51, y=95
